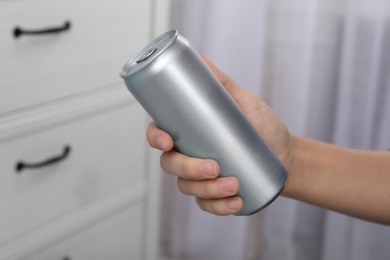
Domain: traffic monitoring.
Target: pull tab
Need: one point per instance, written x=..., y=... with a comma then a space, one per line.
x=146, y=55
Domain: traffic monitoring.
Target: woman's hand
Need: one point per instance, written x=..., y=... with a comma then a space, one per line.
x=198, y=177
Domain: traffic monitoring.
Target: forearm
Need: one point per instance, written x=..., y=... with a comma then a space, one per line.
x=352, y=182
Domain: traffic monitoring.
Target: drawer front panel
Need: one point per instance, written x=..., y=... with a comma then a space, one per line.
x=103, y=34
x=107, y=152
x=119, y=237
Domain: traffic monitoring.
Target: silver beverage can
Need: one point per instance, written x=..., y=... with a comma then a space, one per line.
x=185, y=99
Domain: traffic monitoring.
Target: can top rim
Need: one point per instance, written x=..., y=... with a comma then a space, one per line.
x=149, y=53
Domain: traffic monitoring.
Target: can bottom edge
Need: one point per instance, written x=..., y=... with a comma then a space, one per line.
x=264, y=206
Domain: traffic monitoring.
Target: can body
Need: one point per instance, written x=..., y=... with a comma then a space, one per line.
x=177, y=89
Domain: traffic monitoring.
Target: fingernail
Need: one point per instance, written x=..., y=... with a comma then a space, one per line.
x=208, y=169
x=227, y=186
x=161, y=142
x=232, y=204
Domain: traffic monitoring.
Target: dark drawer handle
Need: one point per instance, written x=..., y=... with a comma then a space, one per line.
x=19, y=31
x=23, y=165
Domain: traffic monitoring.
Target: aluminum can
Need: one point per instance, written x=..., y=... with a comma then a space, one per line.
x=185, y=99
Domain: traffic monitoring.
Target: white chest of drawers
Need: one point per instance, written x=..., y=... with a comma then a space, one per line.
x=77, y=179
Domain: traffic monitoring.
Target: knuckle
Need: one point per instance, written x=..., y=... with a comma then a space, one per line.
x=210, y=206
x=205, y=205
x=186, y=169
x=181, y=184
x=218, y=209
x=190, y=169
x=208, y=189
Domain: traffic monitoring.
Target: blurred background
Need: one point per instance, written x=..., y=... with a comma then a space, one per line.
x=324, y=67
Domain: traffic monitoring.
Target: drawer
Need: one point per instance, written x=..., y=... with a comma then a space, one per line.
x=107, y=152
x=118, y=238
x=103, y=34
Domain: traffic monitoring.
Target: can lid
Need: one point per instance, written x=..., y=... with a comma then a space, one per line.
x=148, y=54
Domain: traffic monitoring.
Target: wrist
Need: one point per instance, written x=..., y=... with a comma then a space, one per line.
x=293, y=166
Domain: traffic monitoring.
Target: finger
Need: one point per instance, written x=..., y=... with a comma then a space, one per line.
x=210, y=189
x=222, y=77
x=230, y=85
x=189, y=168
x=158, y=139
x=221, y=207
